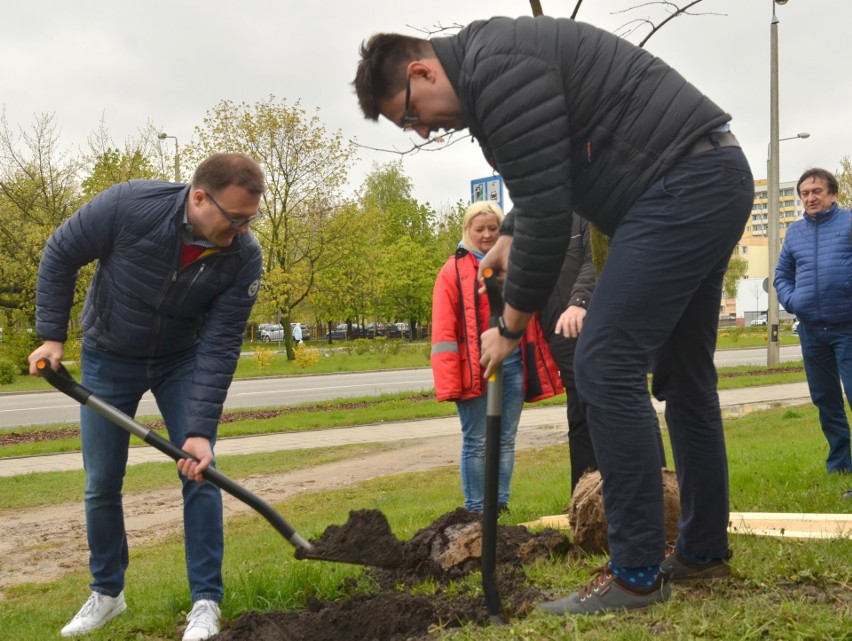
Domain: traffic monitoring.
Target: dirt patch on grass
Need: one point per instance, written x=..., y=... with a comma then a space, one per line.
x=38, y=545
x=448, y=549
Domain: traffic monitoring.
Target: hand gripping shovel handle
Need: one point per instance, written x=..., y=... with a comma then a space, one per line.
x=494, y=410
x=63, y=381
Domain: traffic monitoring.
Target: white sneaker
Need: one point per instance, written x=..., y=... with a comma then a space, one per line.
x=202, y=621
x=98, y=610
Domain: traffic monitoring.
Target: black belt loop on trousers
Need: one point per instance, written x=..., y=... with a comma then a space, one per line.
x=713, y=140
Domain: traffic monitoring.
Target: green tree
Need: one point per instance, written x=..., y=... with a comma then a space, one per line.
x=39, y=190
x=113, y=166
x=844, y=180
x=306, y=167
x=406, y=232
x=737, y=269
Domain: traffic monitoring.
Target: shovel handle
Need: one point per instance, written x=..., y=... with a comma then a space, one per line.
x=62, y=380
x=495, y=297
x=488, y=562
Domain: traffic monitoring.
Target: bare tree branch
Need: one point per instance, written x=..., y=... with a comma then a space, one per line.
x=576, y=9
x=535, y=5
x=671, y=7
x=427, y=145
x=436, y=28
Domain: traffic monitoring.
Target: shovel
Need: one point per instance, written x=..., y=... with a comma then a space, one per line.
x=63, y=381
x=493, y=419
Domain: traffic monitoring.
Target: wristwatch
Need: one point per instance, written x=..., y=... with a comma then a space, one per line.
x=505, y=332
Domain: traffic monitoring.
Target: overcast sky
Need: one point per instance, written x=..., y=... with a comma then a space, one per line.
x=168, y=62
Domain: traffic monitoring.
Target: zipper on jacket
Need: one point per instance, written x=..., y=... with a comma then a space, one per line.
x=192, y=283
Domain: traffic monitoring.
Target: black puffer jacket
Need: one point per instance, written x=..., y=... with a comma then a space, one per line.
x=140, y=303
x=576, y=280
x=574, y=118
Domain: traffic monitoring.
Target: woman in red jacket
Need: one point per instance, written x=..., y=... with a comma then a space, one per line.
x=459, y=316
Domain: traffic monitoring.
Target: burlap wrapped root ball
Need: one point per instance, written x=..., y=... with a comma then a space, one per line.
x=588, y=520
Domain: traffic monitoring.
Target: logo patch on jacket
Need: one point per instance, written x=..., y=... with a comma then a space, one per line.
x=252, y=290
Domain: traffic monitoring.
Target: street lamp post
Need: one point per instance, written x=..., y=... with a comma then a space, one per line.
x=163, y=136
x=772, y=355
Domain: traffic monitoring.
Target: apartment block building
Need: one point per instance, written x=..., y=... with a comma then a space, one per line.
x=753, y=247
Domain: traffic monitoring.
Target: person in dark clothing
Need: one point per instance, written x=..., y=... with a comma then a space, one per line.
x=577, y=119
x=177, y=275
x=562, y=320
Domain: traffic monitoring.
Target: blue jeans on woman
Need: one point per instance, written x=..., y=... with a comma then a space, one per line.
x=121, y=382
x=827, y=352
x=472, y=413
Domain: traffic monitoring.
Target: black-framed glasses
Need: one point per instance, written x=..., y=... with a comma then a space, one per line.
x=235, y=221
x=408, y=121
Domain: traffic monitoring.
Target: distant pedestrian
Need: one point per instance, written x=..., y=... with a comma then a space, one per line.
x=812, y=279
x=297, y=334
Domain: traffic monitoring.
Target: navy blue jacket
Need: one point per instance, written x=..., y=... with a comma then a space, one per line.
x=141, y=303
x=573, y=118
x=814, y=273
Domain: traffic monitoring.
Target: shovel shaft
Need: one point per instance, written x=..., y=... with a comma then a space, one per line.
x=494, y=410
x=64, y=382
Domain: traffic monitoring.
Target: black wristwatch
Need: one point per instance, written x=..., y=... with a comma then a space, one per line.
x=505, y=332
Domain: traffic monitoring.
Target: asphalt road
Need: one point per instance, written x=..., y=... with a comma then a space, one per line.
x=55, y=407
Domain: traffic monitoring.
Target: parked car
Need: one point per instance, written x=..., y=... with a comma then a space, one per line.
x=382, y=329
x=760, y=320
x=341, y=332
x=422, y=332
x=269, y=332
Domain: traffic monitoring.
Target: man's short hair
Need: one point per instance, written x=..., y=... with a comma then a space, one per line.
x=824, y=174
x=380, y=73
x=222, y=170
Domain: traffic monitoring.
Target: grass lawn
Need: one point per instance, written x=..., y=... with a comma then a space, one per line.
x=780, y=589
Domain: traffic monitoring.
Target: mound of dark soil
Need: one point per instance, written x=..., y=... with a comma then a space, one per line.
x=448, y=549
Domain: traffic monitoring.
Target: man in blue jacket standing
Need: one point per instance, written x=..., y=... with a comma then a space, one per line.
x=814, y=281
x=177, y=275
x=577, y=119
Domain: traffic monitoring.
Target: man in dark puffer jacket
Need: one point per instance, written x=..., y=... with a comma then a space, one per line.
x=575, y=118
x=176, y=278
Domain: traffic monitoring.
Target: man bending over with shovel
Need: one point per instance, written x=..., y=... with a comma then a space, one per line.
x=177, y=275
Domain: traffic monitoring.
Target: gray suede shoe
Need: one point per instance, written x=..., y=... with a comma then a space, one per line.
x=606, y=594
x=679, y=569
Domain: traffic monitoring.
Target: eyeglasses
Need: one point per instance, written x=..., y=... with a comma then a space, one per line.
x=408, y=121
x=236, y=221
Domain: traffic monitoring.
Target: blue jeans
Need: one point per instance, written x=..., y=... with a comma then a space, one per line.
x=472, y=414
x=121, y=382
x=657, y=303
x=827, y=351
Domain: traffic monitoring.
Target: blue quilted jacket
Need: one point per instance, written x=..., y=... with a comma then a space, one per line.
x=141, y=303
x=814, y=273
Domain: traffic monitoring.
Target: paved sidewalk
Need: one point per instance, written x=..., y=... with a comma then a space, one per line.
x=734, y=403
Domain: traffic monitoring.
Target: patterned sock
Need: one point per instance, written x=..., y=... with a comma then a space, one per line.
x=643, y=577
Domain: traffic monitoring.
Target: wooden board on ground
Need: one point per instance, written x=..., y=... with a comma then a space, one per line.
x=778, y=524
